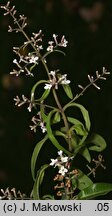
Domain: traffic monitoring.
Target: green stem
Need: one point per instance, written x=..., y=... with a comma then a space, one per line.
x=47, y=70
x=81, y=93
x=28, y=39
x=64, y=118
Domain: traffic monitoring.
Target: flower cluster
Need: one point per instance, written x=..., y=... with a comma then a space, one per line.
x=53, y=44
x=21, y=21
x=25, y=100
x=24, y=64
x=98, y=163
x=61, y=162
x=56, y=79
x=10, y=194
x=93, y=80
x=38, y=122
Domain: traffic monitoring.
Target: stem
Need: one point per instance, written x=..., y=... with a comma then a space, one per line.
x=47, y=70
x=45, y=105
x=81, y=93
x=28, y=39
x=64, y=118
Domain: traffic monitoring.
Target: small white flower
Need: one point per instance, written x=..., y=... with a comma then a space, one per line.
x=33, y=59
x=64, y=159
x=64, y=42
x=53, y=162
x=33, y=128
x=50, y=48
x=17, y=100
x=29, y=108
x=43, y=128
x=24, y=98
x=60, y=153
x=47, y=86
x=15, y=61
x=53, y=73
x=62, y=170
x=63, y=80
x=55, y=38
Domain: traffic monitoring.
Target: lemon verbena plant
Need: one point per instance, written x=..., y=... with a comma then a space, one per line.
x=59, y=126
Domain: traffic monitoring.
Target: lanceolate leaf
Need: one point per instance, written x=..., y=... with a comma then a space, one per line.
x=77, y=126
x=84, y=113
x=68, y=91
x=74, y=121
x=43, y=115
x=94, y=190
x=57, y=118
x=73, y=138
x=98, y=141
x=82, y=181
x=45, y=94
x=51, y=136
x=74, y=141
x=59, y=133
x=79, y=130
x=35, y=155
x=85, y=153
x=38, y=181
x=80, y=145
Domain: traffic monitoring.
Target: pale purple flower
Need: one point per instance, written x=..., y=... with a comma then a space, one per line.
x=43, y=128
x=64, y=42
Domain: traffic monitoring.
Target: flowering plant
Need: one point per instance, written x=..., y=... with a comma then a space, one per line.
x=69, y=135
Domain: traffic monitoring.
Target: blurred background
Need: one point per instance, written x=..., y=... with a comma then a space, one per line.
x=87, y=25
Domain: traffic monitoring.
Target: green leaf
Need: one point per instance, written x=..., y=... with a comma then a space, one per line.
x=78, y=126
x=80, y=145
x=78, y=129
x=35, y=155
x=68, y=91
x=85, y=153
x=82, y=181
x=38, y=181
x=84, y=113
x=74, y=121
x=94, y=190
x=43, y=115
x=74, y=141
x=45, y=94
x=57, y=118
x=59, y=133
x=51, y=136
x=98, y=141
